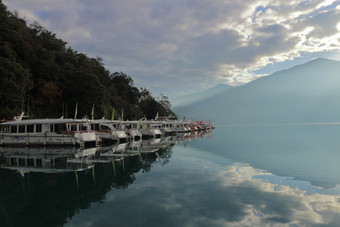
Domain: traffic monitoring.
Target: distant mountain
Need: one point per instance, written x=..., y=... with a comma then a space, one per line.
x=305, y=93
x=198, y=96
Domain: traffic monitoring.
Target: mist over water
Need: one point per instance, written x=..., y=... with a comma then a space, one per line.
x=303, y=151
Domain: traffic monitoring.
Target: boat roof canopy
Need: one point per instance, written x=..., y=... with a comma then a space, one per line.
x=45, y=121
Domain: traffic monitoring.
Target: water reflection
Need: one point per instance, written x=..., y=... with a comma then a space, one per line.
x=181, y=180
x=305, y=152
x=48, y=186
x=199, y=190
x=283, y=202
x=48, y=160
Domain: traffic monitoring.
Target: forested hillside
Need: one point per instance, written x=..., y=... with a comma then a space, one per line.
x=39, y=73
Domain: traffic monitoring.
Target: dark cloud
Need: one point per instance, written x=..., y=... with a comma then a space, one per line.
x=165, y=45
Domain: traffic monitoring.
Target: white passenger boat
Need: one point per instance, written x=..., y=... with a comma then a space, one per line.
x=150, y=128
x=67, y=151
x=133, y=128
x=170, y=125
x=47, y=132
x=109, y=130
x=175, y=126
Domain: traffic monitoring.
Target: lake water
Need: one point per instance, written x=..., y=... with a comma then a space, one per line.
x=240, y=175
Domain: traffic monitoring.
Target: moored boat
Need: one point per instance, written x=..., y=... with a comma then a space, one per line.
x=47, y=132
x=150, y=129
x=109, y=130
x=133, y=129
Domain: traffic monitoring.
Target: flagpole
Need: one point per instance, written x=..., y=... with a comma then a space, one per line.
x=113, y=114
x=92, y=112
x=76, y=111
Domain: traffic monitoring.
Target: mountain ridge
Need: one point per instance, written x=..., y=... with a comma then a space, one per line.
x=197, y=96
x=300, y=94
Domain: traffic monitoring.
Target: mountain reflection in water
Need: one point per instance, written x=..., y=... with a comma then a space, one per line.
x=183, y=181
x=307, y=152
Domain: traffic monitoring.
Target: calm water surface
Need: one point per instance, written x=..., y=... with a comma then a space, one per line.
x=269, y=175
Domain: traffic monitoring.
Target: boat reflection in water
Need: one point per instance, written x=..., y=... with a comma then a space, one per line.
x=48, y=186
x=47, y=160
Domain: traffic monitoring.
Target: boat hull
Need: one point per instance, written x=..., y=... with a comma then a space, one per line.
x=47, y=140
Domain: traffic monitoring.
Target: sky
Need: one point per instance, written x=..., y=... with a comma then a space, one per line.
x=177, y=47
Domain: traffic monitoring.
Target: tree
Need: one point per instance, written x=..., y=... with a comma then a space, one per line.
x=166, y=105
x=35, y=64
x=85, y=89
x=15, y=81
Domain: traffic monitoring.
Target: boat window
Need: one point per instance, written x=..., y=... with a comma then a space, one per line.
x=73, y=128
x=38, y=162
x=14, y=162
x=38, y=128
x=105, y=127
x=134, y=125
x=13, y=129
x=4, y=128
x=56, y=128
x=83, y=127
x=51, y=128
x=22, y=128
x=95, y=127
x=30, y=162
x=30, y=128
x=62, y=127
x=22, y=162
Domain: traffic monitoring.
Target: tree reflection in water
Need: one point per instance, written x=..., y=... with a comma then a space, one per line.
x=53, y=187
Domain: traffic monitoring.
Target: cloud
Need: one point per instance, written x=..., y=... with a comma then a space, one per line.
x=169, y=46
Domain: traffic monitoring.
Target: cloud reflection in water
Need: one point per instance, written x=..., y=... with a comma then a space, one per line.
x=265, y=202
x=192, y=190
